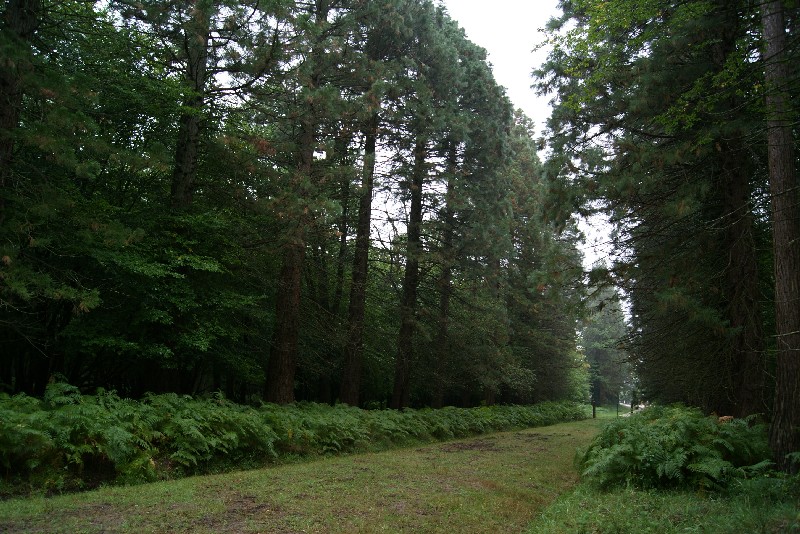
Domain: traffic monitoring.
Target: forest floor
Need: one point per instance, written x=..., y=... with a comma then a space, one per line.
x=492, y=483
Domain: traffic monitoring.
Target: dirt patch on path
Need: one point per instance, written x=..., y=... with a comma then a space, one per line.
x=483, y=445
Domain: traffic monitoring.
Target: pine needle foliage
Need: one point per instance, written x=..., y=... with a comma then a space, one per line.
x=676, y=447
x=67, y=441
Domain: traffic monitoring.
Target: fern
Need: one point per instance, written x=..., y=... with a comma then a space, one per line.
x=61, y=394
x=72, y=441
x=673, y=447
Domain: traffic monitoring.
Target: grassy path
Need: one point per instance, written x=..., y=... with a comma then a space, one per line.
x=495, y=483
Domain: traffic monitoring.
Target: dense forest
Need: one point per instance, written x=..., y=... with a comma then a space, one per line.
x=677, y=120
x=326, y=200
x=334, y=200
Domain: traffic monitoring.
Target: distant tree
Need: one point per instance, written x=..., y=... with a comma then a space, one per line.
x=602, y=336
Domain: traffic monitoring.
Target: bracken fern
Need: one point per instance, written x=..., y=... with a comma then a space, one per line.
x=70, y=441
x=675, y=447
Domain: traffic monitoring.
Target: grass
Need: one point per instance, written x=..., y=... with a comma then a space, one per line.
x=752, y=510
x=763, y=503
x=495, y=483
x=522, y=481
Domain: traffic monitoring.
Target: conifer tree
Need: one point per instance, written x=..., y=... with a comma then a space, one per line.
x=425, y=113
x=544, y=282
x=20, y=18
x=386, y=41
x=205, y=39
x=309, y=82
x=654, y=98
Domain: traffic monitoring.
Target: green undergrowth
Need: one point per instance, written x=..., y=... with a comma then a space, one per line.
x=676, y=447
x=760, y=505
x=673, y=469
x=68, y=441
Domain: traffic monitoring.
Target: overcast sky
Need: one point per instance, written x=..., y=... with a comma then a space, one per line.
x=509, y=30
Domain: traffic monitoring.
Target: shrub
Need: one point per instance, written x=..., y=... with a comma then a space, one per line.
x=675, y=447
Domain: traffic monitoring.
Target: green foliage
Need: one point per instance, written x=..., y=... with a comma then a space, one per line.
x=105, y=282
x=676, y=447
x=664, y=148
x=761, y=504
x=194, y=435
x=71, y=441
x=310, y=428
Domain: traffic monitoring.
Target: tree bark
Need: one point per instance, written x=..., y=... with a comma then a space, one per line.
x=351, y=376
x=20, y=20
x=784, y=435
x=282, y=362
x=401, y=395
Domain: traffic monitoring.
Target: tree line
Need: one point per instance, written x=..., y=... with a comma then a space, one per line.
x=282, y=200
x=678, y=121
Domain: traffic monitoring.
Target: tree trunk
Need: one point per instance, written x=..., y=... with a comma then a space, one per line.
x=344, y=221
x=351, y=377
x=187, y=147
x=282, y=362
x=746, y=365
x=785, y=428
x=744, y=311
x=401, y=395
x=20, y=20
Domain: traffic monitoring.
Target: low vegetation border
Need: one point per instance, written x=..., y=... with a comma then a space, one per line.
x=67, y=441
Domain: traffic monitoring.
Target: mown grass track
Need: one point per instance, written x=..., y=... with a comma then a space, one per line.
x=492, y=483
